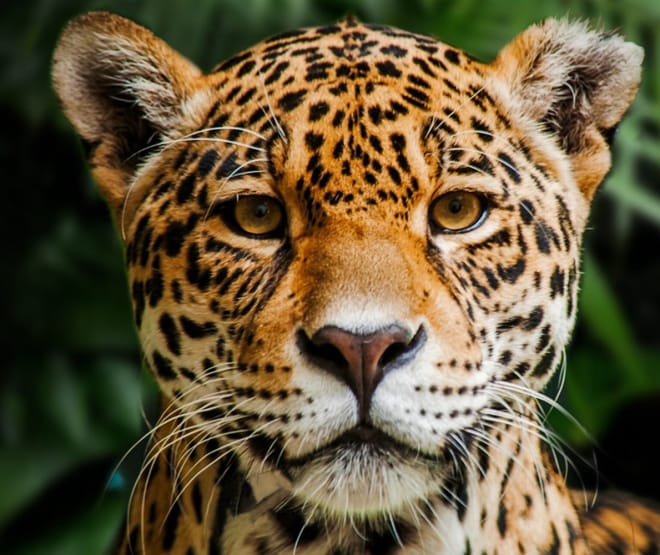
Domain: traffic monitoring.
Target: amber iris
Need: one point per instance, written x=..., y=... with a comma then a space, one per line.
x=457, y=211
x=258, y=215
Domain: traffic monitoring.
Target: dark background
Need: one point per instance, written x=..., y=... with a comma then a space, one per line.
x=71, y=387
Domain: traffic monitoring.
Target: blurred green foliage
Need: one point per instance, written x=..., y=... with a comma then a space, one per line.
x=71, y=390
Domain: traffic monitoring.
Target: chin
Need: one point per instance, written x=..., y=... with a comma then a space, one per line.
x=364, y=476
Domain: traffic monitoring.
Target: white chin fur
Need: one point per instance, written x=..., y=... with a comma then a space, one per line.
x=363, y=482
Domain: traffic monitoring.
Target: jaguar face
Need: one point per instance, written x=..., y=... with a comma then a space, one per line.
x=350, y=286
x=353, y=251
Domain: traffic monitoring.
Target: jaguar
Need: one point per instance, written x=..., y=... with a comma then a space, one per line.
x=353, y=256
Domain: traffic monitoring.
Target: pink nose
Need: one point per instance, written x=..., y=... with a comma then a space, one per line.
x=361, y=360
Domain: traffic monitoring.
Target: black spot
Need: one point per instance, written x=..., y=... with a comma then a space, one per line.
x=246, y=97
x=314, y=141
x=317, y=71
x=555, y=546
x=501, y=518
x=193, y=269
x=388, y=69
x=228, y=166
x=246, y=68
x=155, y=284
x=375, y=144
x=338, y=118
x=163, y=366
x=462, y=499
x=483, y=131
x=452, y=56
x=295, y=526
x=206, y=163
x=509, y=324
x=291, y=100
x=508, y=164
x=338, y=150
x=534, y=319
x=520, y=370
x=416, y=97
x=375, y=114
x=557, y=280
x=195, y=330
x=276, y=73
x=398, y=108
x=545, y=364
x=483, y=455
x=492, y=280
x=451, y=86
x=394, y=50
x=197, y=500
x=231, y=62
x=176, y=233
x=145, y=249
x=542, y=237
x=482, y=165
x=318, y=110
x=513, y=272
x=233, y=93
x=398, y=142
x=526, y=209
x=171, y=333
x=281, y=37
x=231, y=485
x=184, y=192
x=389, y=540
x=394, y=174
x=544, y=339
x=505, y=358
x=229, y=281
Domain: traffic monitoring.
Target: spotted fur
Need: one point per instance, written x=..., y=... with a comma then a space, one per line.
x=360, y=380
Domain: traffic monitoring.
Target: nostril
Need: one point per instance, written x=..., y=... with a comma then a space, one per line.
x=402, y=351
x=392, y=353
x=322, y=354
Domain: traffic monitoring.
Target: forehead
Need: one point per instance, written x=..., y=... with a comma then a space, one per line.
x=349, y=113
x=351, y=63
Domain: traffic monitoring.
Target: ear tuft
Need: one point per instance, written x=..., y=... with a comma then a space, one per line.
x=569, y=77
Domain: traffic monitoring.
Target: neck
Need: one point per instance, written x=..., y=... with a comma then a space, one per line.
x=518, y=498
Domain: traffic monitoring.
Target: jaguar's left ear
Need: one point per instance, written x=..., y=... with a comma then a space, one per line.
x=123, y=89
x=577, y=83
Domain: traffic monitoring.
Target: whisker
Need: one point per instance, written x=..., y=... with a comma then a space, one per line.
x=446, y=119
x=272, y=118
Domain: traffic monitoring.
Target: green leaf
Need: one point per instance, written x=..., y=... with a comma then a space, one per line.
x=607, y=322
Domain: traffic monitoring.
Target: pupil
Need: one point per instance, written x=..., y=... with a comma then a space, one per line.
x=455, y=206
x=260, y=211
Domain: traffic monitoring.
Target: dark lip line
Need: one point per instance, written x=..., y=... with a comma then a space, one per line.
x=365, y=435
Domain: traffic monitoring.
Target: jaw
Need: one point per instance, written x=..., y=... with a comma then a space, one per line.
x=365, y=481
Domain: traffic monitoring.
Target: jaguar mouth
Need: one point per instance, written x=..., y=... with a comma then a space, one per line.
x=364, y=439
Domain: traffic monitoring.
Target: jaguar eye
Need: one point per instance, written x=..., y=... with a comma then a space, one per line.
x=458, y=212
x=256, y=216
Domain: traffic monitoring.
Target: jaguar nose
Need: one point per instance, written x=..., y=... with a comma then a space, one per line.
x=361, y=360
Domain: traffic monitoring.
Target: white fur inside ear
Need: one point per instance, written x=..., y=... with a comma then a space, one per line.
x=561, y=69
x=142, y=80
x=104, y=63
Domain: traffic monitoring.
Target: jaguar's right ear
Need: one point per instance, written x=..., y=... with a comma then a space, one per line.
x=123, y=89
